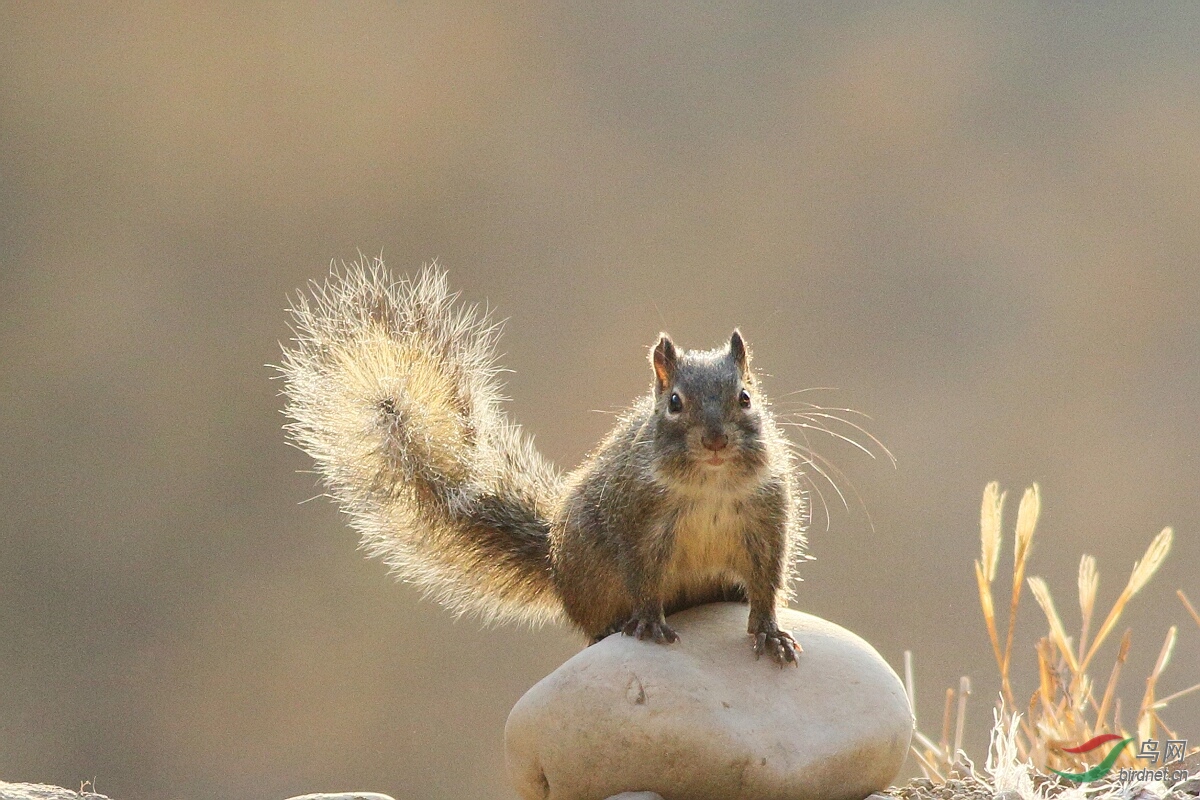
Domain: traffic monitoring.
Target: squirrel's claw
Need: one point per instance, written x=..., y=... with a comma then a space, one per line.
x=655, y=629
x=780, y=645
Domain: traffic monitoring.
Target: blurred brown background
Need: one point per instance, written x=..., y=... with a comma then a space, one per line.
x=979, y=223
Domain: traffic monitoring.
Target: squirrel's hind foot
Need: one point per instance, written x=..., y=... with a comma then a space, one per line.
x=647, y=626
x=778, y=644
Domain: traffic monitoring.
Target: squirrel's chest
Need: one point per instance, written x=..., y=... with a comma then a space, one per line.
x=708, y=535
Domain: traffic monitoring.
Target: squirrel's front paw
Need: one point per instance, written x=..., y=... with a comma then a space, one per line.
x=644, y=626
x=778, y=643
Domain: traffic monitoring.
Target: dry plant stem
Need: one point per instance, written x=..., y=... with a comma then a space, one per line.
x=1109, y=690
x=1187, y=604
x=989, y=612
x=927, y=765
x=1172, y=697
x=1027, y=515
x=1063, y=709
x=908, y=680
x=946, y=722
x=1089, y=582
x=1046, y=679
x=964, y=690
x=1146, y=715
x=926, y=742
x=990, y=519
x=1023, y=749
x=1142, y=572
x=1058, y=634
x=931, y=771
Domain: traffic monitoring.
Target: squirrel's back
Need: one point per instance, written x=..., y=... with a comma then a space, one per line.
x=392, y=390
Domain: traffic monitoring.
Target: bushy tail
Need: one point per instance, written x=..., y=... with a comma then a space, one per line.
x=392, y=389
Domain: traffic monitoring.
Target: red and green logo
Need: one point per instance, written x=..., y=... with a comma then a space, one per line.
x=1105, y=766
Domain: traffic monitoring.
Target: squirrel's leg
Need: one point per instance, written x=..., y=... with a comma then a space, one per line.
x=766, y=579
x=644, y=569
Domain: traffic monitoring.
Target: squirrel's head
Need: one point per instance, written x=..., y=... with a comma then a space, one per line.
x=708, y=412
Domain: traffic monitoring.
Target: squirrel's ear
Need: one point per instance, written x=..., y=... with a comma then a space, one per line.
x=739, y=351
x=663, y=359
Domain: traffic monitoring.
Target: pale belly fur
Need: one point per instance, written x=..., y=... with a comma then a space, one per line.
x=708, y=544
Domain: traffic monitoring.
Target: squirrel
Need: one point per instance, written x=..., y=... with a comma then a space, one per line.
x=391, y=387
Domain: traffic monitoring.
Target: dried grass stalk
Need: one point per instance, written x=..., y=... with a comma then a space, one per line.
x=1146, y=715
x=1046, y=679
x=909, y=688
x=989, y=611
x=927, y=765
x=1058, y=634
x=989, y=527
x=1110, y=689
x=1188, y=605
x=946, y=717
x=964, y=691
x=1089, y=582
x=1063, y=708
x=990, y=515
x=1143, y=571
x=1170, y=698
x=1027, y=516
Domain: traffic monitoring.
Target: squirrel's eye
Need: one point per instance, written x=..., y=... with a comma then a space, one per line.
x=744, y=399
x=674, y=403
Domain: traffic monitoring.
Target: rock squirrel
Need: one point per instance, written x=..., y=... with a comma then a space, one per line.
x=392, y=388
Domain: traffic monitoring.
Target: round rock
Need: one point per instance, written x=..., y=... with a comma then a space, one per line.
x=703, y=719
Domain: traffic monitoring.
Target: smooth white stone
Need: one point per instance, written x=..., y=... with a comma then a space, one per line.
x=701, y=719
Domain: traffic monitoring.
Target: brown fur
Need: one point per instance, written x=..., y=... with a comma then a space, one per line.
x=391, y=388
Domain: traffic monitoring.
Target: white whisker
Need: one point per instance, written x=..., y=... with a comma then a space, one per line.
x=824, y=414
x=817, y=427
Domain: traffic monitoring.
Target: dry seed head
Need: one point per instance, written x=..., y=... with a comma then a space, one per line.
x=1156, y=553
x=1058, y=634
x=1143, y=570
x=989, y=528
x=1027, y=517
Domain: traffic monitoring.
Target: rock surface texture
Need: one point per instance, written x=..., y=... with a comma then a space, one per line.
x=38, y=791
x=41, y=791
x=701, y=719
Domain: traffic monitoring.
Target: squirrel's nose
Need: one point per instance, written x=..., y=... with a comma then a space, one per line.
x=714, y=441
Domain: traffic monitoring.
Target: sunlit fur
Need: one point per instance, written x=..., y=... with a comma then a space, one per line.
x=712, y=532
x=392, y=389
